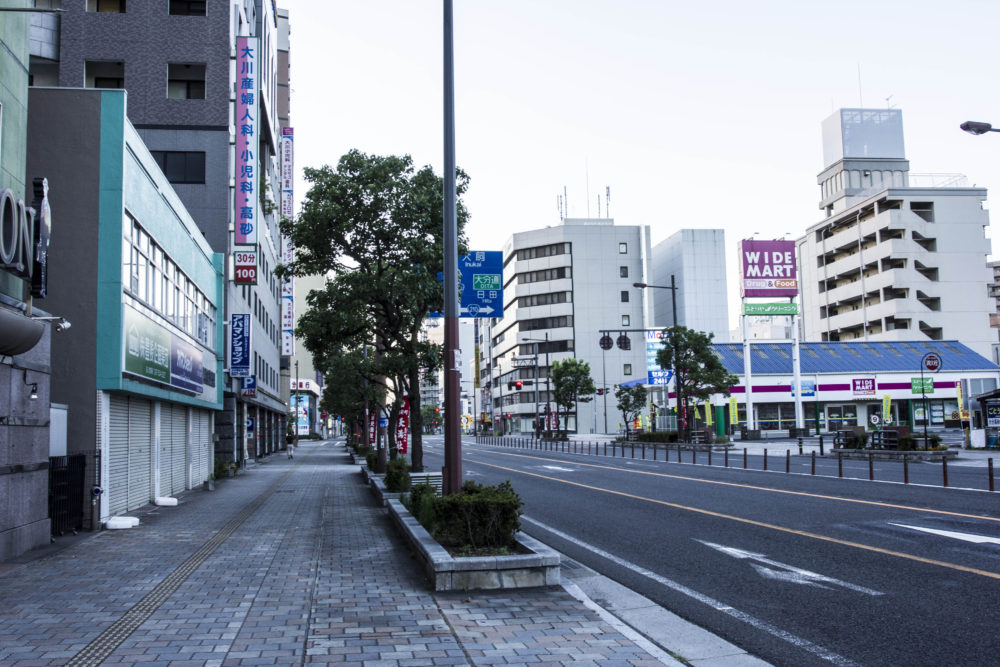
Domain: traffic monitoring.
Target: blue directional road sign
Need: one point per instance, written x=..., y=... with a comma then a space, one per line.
x=482, y=284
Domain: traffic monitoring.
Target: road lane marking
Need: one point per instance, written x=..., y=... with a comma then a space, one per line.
x=967, y=537
x=760, y=524
x=558, y=469
x=726, y=609
x=740, y=485
x=787, y=572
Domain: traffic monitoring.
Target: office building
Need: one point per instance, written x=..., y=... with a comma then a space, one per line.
x=696, y=260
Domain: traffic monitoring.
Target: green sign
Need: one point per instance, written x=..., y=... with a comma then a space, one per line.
x=928, y=385
x=770, y=309
x=147, y=347
x=486, y=281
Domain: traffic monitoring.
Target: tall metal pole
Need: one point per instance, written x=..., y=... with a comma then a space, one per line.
x=452, y=471
x=296, y=427
x=548, y=373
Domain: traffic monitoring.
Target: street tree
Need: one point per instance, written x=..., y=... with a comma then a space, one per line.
x=631, y=402
x=698, y=370
x=571, y=383
x=374, y=227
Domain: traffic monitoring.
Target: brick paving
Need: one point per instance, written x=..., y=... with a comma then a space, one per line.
x=304, y=568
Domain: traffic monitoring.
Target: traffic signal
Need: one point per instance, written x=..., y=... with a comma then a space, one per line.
x=600, y=392
x=518, y=384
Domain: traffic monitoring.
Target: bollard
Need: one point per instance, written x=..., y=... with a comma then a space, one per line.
x=694, y=455
x=821, y=445
x=744, y=458
x=989, y=467
x=788, y=460
x=726, y=455
x=800, y=446
x=840, y=465
x=654, y=451
x=633, y=449
x=813, y=463
x=765, y=458
x=871, y=467
x=678, y=452
x=906, y=469
x=710, y=455
x=643, y=450
x=944, y=471
x=606, y=447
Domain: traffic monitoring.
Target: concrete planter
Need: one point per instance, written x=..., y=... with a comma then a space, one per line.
x=893, y=455
x=540, y=567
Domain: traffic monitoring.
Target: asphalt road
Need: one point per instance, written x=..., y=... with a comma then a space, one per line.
x=796, y=569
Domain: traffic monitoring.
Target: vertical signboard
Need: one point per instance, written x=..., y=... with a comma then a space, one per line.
x=403, y=425
x=239, y=345
x=246, y=141
x=767, y=268
x=482, y=284
x=287, y=249
x=654, y=374
x=245, y=267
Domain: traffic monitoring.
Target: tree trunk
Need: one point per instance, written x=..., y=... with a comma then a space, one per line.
x=416, y=423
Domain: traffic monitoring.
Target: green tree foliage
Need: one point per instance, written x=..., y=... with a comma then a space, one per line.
x=571, y=382
x=631, y=402
x=698, y=370
x=374, y=227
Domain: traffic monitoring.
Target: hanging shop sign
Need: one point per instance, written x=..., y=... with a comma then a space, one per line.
x=245, y=267
x=767, y=268
x=153, y=353
x=770, y=309
x=239, y=345
x=247, y=139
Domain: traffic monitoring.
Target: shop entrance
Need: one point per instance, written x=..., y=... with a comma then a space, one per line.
x=841, y=416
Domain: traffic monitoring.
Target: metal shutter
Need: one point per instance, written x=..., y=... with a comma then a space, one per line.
x=178, y=428
x=140, y=437
x=117, y=484
x=201, y=446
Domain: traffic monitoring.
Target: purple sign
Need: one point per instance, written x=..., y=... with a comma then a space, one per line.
x=863, y=386
x=767, y=268
x=185, y=365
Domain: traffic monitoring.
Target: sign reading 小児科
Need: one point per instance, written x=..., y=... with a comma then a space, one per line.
x=247, y=139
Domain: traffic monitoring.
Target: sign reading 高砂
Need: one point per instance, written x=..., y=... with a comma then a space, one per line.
x=246, y=141
x=767, y=268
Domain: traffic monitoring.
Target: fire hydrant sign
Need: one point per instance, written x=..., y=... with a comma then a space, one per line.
x=245, y=267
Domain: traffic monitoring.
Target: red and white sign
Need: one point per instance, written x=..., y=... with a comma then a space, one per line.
x=863, y=386
x=371, y=429
x=245, y=267
x=403, y=426
x=932, y=362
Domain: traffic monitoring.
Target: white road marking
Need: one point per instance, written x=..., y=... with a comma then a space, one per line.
x=558, y=469
x=801, y=576
x=757, y=623
x=966, y=537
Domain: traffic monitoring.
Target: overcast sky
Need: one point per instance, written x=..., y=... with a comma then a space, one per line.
x=703, y=115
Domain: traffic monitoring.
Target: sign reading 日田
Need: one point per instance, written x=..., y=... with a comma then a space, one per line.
x=767, y=268
x=246, y=141
x=482, y=284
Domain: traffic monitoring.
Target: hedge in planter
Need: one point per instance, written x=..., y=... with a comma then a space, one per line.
x=397, y=476
x=479, y=516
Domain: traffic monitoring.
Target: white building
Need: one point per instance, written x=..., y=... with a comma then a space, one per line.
x=892, y=261
x=696, y=258
x=563, y=286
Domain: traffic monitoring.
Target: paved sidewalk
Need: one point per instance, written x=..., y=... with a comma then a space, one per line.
x=290, y=563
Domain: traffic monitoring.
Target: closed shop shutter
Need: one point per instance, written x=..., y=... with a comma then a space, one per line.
x=178, y=427
x=140, y=437
x=201, y=446
x=117, y=486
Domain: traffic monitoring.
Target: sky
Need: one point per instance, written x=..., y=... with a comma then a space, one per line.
x=694, y=114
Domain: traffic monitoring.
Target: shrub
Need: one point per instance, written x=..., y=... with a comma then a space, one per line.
x=657, y=436
x=478, y=516
x=371, y=459
x=905, y=443
x=420, y=502
x=397, y=475
x=720, y=440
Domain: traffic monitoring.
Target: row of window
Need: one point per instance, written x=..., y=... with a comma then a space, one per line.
x=546, y=323
x=544, y=299
x=151, y=277
x=181, y=166
x=544, y=275
x=185, y=81
x=545, y=251
x=175, y=7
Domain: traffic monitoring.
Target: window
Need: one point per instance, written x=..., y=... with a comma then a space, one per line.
x=104, y=74
x=627, y=369
x=622, y=248
x=624, y=296
x=187, y=7
x=543, y=251
x=626, y=321
x=106, y=6
x=623, y=271
x=181, y=166
x=544, y=299
x=185, y=81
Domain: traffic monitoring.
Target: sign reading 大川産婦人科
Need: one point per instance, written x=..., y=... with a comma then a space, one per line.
x=247, y=139
x=767, y=268
x=154, y=353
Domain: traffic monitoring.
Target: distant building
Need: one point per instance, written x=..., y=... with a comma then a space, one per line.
x=696, y=258
x=563, y=286
x=896, y=258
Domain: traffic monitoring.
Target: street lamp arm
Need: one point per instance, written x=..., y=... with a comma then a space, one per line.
x=977, y=127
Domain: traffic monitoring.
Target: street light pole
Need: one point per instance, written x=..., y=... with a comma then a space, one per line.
x=682, y=420
x=977, y=128
x=295, y=427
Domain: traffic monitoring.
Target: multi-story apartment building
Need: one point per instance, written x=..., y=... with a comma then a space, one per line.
x=893, y=260
x=177, y=61
x=563, y=286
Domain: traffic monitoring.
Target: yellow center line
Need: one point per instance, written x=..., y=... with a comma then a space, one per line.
x=753, y=487
x=753, y=522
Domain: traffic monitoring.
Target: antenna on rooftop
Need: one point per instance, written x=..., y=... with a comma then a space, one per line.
x=565, y=204
x=598, y=206
x=559, y=204
x=607, y=200
x=888, y=103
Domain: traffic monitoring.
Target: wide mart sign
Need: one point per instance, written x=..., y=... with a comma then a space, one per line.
x=767, y=268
